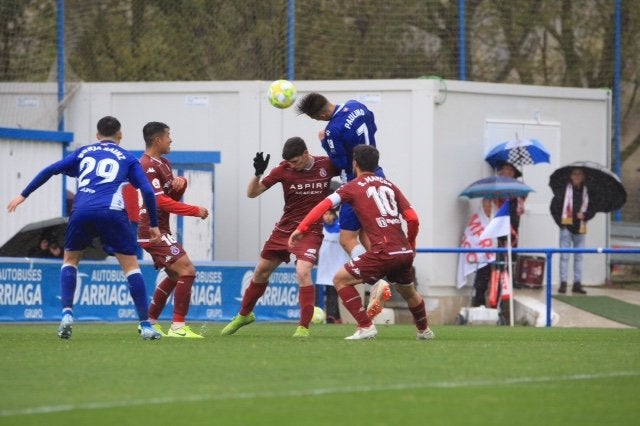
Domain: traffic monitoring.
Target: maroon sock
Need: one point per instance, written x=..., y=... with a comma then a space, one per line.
x=353, y=302
x=307, y=297
x=419, y=313
x=160, y=296
x=251, y=296
x=182, y=297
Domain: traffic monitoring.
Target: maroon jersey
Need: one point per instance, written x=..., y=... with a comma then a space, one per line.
x=378, y=204
x=302, y=190
x=160, y=175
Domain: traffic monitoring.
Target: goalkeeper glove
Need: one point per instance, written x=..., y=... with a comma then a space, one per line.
x=260, y=163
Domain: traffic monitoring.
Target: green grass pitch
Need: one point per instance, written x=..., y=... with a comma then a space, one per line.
x=106, y=375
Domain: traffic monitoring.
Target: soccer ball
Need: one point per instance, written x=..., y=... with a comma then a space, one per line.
x=282, y=94
x=318, y=316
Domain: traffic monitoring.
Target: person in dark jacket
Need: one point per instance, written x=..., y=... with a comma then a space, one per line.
x=572, y=212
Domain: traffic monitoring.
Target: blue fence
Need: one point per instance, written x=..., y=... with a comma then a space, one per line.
x=548, y=252
x=29, y=288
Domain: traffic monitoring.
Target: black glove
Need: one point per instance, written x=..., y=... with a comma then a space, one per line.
x=260, y=163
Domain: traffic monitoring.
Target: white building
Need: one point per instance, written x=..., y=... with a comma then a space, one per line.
x=432, y=135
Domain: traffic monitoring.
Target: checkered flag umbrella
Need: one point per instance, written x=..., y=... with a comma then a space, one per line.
x=520, y=152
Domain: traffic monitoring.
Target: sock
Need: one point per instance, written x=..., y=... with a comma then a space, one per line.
x=182, y=297
x=419, y=313
x=138, y=293
x=353, y=302
x=160, y=297
x=306, y=297
x=68, y=275
x=251, y=296
x=357, y=251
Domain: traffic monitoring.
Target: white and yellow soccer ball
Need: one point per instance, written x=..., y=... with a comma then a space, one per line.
x=282, y=94
x=319, y=317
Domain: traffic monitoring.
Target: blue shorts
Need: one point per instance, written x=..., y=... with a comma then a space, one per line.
x=348, y=219
x=112, y=226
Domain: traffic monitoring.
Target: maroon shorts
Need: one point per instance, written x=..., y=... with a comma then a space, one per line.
x=277, y=247
x=166, y=252
x=370, y=267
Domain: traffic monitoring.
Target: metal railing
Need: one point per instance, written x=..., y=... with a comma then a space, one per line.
x=548, y=252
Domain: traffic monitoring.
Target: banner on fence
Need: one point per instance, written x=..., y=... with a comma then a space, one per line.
x=30, y=291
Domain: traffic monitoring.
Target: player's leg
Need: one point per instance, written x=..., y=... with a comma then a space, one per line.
x=160, y=297
x=68, y=279
x=252, y=294
x=78, y=235
x=418, y=310
x=350, y=231
x=344, y=282
x=306, y=296
x=138, y=292
x=115, y=232
x=404, y=277
x=184, y=273
x=163, y=256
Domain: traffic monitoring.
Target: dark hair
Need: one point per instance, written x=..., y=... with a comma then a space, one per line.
x=151, y=130
x=293, y=147
x=108, y=126
x=502, y=164
x=366, y=157
x=311, y=104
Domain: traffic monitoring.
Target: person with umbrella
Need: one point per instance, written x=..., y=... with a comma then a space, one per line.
x=489, y=206
x=580, y=190
x=571, y=212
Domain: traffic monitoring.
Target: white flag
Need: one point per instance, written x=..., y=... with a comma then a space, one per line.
x=472, y=261
x=500, y=225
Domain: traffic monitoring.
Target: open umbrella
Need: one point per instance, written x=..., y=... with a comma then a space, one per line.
x=496, y=187
x=29, y=237
x=606, y=192
x=519, y=152
x=500, y=187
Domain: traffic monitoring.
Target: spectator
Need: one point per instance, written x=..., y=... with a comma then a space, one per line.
x=42, y=249
x=571, y=213
x=55, y=250
x=330, y=259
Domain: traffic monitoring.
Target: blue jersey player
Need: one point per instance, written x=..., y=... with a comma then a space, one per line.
x=101, y=170
x=349, y=124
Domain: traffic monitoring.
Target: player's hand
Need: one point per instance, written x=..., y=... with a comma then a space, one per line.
x=260, y=163
x=13, y=204
x=178, y=183
x=321, y=135
x=294, y=238
x=154, y=235
x=203, y=213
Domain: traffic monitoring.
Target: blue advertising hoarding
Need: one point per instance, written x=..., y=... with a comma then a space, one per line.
x=30, y=291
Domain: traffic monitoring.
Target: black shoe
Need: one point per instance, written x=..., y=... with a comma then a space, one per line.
x=563, y=287
x=577, y=288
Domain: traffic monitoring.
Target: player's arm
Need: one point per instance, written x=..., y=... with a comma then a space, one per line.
x=313, y=216
x=178, y=188
x=413, y=224
x=337, y=150
x=168, y=204
x=40, y=179
x=139, y=181
x=256, y=187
